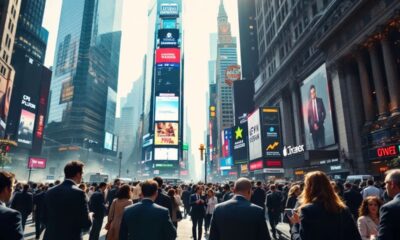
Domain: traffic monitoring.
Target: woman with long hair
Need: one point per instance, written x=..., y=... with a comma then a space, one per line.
x=368, y=222
x=117, y=208
x=322, y=214
x=294, y=193
x=175, y=207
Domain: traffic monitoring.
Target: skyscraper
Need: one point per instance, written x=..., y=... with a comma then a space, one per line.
x=85, y=75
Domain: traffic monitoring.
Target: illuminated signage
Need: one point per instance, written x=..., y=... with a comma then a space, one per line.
x=108, y=141
x=289, y=150
x=168, y=37
x=163, y=165
x=240, y=144
x=244, y=168
x=256, y=165
x=254, y=135
x=336, y=167
x=166, y=133
x=299, y=172
x=226, y=163
x=26, y=101
x=25, y=128
x=168, y=55
x=166, y=154
x=37, y=163
x=167, y=108
x=232, y=73
x=273, y=163
x=390, y=151
x=169, y=10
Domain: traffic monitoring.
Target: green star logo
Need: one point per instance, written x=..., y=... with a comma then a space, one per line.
x=239, y=133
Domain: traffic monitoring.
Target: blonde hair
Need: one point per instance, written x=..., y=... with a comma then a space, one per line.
x=293, y=190
x=318, y=189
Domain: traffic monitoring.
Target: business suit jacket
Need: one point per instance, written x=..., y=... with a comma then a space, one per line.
x=66, y=212
x=38, y=201
x=258, y=197
x=197, y=210
x=320, y=111
x=274, y=202
x=227, y=196
x=11, y=224
x=238, y=219
x=96, y=204
x=111, y=195
x=146, y=221
x=316, y=224
x=186, y=198
x=389, y=227
x=23, y=202
x=353, y=200
x=164, y=201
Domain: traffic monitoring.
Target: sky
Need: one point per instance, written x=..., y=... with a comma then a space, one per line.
x=199, y=20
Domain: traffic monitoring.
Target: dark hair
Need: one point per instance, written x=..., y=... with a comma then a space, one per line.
x=124, y=192
x=149, y=188
x=73, y=168
x=370, y=182
x=102, y=184
x=227, y=187
x=25, y=187
x=272, y=187
x=363, y=210
x=116, y=181
x=6, y=180
x=159, y=181
x=312, y=87
x=258, y=183
x=348, y=185
x=171, y=194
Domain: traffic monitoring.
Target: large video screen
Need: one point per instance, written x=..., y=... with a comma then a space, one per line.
x=167, y=108
x=254, y=132
x=108, y=141
x=167, y=78
x=167, y=154
x=168, y=38
x=240, y=144
x=168, y=55
x=25, y=128
x=5, y=98
x=166, y=133
x=226, y=139
x=317, y=112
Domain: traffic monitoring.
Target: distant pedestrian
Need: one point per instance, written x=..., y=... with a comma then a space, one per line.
x=176, y=212
x=352, y=198
x=371, y=190
x=368, y=221
x=146, y=220
x=227, y=194
x=38, y=202
x=23, y=203
x=259, y=196
x=198, y=212
x=389, y=227
x=66, y=207
x=162, y=198
x=274, y=206
x=211, y=202
x=291, y=203
x=98, y=207
x=111, y=194
x=186, y=200
x=10, y=219
x=238, y=218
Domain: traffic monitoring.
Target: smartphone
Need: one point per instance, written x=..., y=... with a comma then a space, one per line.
x=288, y=212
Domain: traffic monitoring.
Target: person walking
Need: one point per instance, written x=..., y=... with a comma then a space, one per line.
x=147, y=220
x=352, y=198
x=322, y=214
x=238, y=218
x=211, y=202
x=38, y=202
x=163, y=199
x=227, y=193
x=123, y=200
x=370, y=190
x=175, y=208
x=259, y=196
x=111, y=194
x=368, y=221
x=186, y=200
x=389, y=226
x=10, y=219
x=66, y=209
x=23, y=203
x=274, y=205
x=198, y=212
x=291, y=202
x=98, y=207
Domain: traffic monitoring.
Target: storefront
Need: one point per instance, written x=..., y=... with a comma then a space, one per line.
x=382, y=159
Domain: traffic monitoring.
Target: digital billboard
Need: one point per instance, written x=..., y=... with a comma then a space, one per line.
x=254, y=133
x=108, y=141
x=37, y=163
x=167, y=108
x=271, y=132
x=169, y=23
x=256, y=165
x=226, y=163
x=232, y=73
x=240, y=144
x=5, y=98
x=25, y=128
x=226, y=138
x=115, y=143
x=169, y=10
x=168, y=38
x=317, y=112
x=167, y=78
x=243, y=92
x=167, y=154
x=168, y=55
x=166, y=133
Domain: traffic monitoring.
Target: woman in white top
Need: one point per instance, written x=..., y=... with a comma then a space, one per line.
x=368, y=222
x=211, y=202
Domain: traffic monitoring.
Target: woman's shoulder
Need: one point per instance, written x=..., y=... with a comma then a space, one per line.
x=363, y=219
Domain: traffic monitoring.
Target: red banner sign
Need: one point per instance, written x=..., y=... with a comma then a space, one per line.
x=168, y=55
x=274, y=163
x=256, y=165
x=37, y=163
x=390, y=151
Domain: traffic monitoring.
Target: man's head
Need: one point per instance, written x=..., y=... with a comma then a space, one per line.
x=117, y=182
x=348, y=185
x=150, y=189
x=313, y=92
x=25, y=187
x=259, y=184
x=159, y=181
x=272, y=187
x=7, y=180
x=227, y=187
x=392, y=182
x=102, y=186
x=243, y=187
x=74, y=170
x=370, y=182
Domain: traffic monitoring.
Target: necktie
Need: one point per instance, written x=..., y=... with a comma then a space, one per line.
x=315, y=111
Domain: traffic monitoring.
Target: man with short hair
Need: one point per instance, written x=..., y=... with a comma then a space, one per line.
x=163, y=199
x=197, y=212
x=186, y=200
x=258, y=197
x=274, y=205
x=228, y=193
x=10, y=219
x=111, y=194
x=389, y=227
x=23, y=203
x=371, y=190
x=146, y=220
x=66, y=207
x=97, y=206
x=238, y=218
x=352, y=198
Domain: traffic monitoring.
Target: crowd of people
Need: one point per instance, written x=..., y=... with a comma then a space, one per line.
x=316, y=208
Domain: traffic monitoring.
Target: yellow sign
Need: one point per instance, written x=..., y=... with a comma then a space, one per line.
x=270, y=110
x=166, y=133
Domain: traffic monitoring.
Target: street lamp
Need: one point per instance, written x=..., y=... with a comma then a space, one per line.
x=202, y=148
x=120, y=159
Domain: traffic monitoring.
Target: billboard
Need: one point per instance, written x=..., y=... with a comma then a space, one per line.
x=254, y=135
x=167, y=154
x=317, y=112
x=167, y=78
x=226, y=163
x=271, y=132
x=37, y=163
x=169, y=23
x=115, y=143
x=166, y=133
x=25, y=128
x=256, y=165
x=108, y=141
x=232, y=73
x=240, y=144
x=226, y=139
x=169, y=10
x=168, y=55
x=243, y=92
x=168, y=38
x=167, y=108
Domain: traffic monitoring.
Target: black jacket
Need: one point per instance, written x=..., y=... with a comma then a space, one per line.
x=197, y=210
x=353, y=200
x=38, y=201
x=11, y=224
x=96, y=204
x=66, y=212
x=23, y=203
x=146, y=221
x=238, y=219
x=227, y=196
x=291, y=202
x=389, y=227
x=274, y=202
x=317, y=224
x=164, y=201
x=111, y=195
x=258, y=197
x=186, y=198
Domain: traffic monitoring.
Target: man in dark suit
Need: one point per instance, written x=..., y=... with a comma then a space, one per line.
x=10, y=219
x=228, y=193
x=66, y=207
x=186, y=200
x=316, y=116
x=23, y=203
x=147, y=220
x=258, y=197
x=38, y=202
x=274, y=205
x=238, y=218
x=353, y=199
x=97, y=206
x=389, y=227
x=111, y=195
x=163, y=199
x=197, y=212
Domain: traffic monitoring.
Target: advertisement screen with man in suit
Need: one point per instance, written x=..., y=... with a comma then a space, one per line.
x=317, y=112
